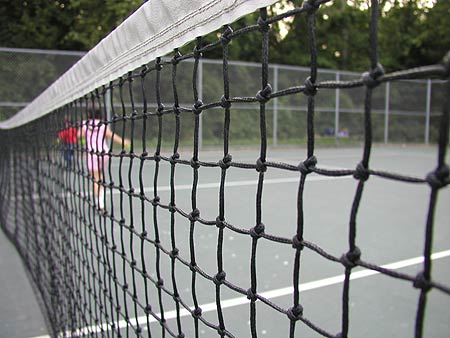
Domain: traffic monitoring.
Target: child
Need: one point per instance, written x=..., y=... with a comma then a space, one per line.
x=96, y=133
x=68, y=137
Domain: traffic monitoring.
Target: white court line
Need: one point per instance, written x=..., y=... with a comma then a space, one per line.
x=268, y=294
x=312, y=178
x=244, y=183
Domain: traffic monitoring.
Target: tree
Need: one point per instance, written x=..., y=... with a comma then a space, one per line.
x=341, y=35
x=60, y=24
x=435, y=40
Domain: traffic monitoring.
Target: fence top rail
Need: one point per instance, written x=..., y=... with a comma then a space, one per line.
x=41, y=51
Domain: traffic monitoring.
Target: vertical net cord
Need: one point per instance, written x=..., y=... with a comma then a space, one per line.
x=82, y=197
x=122, y=224
x=194, y=165
x=156, y=199
x=172, y=210
x=144, y=233
x=97, y=221
x=437, y=179
x=370, y=80
x=90, y=181
x=107, y=249
x=257, y=231
x=130, y=193
x=115, y=117
x=296, y=311
x=66, y=231
x=107, y=296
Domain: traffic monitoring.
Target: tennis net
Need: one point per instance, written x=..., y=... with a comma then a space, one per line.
x=100, y=226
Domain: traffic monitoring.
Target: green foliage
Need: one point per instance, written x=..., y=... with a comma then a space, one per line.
x=60, y=24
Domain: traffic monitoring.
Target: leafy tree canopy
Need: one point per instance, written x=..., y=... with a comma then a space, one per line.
x=411, y=32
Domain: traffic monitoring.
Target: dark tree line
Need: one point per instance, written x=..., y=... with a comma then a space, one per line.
x=411, y=34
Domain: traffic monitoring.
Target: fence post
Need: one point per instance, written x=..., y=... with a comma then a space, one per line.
x=386, y=112
x=200, y=97
x=428, y=111
x=275, y=106
x=336, y=109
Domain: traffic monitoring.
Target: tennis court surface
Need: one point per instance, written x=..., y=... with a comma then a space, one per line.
x=130, y=223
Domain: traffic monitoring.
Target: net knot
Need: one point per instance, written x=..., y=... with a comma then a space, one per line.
x=371, y=79
x=160, y=283
x=172, y=208
x=350, y=258
x=197, y=312
x=251, y=295
x=160, y=109
x=176, y=109
x=260, y=166
x=439, y=178
x=297, y=243
x=225, y=162
x=224, y=102
x=192, y=267
x=143, y=155
x=361, y=172
x=143, y=234
x=221, y=331
x=156, y=157
x=197, y=108
x=263, y=25
x=220, y=223
x=226, y=35
x=305, y=166
x=181, y=335
x=219, y=278
x=193, y=216
x=194, y=163
x=148, y=309
x=310, y=6
x=310, y=88
x=264, y=95
x=175, y=59
x=295, y=313
x=257, y=231
x=155, y=201
x=158, y=64
x=174, y=253
x=174, y=158
x=144, y=70
x=197, y=53
x=421, y=282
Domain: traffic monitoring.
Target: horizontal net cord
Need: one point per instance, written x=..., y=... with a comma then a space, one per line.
x=138, y=40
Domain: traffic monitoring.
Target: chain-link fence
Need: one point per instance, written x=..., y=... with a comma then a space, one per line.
x=25, y=73
x=404, y=111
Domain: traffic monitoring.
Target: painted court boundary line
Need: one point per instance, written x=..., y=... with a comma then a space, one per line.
x=268, y=295
x=229, y=184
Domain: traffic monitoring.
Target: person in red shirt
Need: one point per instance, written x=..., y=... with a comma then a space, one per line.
x=68, y=138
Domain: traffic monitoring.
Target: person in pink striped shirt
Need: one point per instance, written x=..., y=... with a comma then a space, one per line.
x=96, y=134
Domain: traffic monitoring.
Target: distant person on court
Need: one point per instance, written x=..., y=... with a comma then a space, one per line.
x=68, y=138
x=96, y=134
